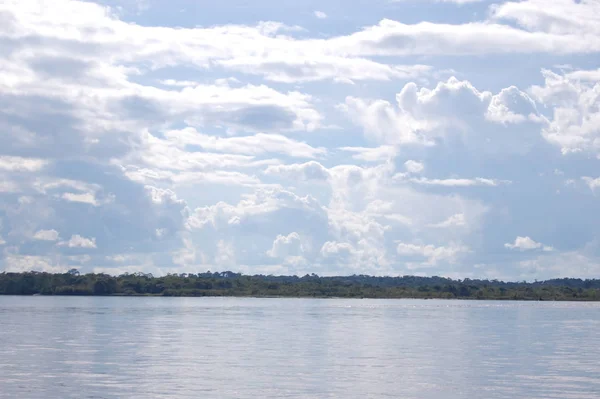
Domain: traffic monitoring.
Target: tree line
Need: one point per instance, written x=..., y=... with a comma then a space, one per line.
x=311, y=285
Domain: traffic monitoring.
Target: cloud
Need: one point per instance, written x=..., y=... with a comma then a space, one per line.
x=289, y=68
x=247, y=108
x=177, y=161
x=368, y=201
x=443, y=1
x=269, y=47
x=592, y=183
x=527, y=244
x=17, y=263
x=433, y=254
x=457, y=220
x=73, y=191
x=9, y=187
x=478, y=181
x=189, y=178
x=363, y=255
x=251, y=224
x=110, y=121
x=512, y=106
x=382, y=123
x=562, y=17
x=286, y=246
x=591, y=75
x=414, y=166
x=164, y=155
x=320, y=14
x=425, y=38
x=78, y=241
x=452, y=120
x=368, y=209
x=20, y=164
x=86, y=198
x=573, y=126
x=252, y=145
x=377, y=154
x=336, y=249
x=235, y=47
x=268, y=208
x=582, y=263
x=307, y=171
x=225, y=256
x=46, y=235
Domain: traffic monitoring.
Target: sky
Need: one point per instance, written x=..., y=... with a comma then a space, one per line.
x=458, y=138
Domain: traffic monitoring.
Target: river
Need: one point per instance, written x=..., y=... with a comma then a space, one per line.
x=136, y=347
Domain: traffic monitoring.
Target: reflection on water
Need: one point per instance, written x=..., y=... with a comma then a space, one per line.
x=60, y=347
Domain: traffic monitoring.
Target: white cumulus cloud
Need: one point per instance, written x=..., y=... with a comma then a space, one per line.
x=526, y=244
x=46, y=235
x=285, y=246
x=77, y=241
x=414, y=166
x=431, y=253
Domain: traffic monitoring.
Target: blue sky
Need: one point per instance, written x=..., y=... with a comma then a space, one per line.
x=457, y=138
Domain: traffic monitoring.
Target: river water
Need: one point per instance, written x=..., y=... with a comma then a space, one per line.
x=97, y=347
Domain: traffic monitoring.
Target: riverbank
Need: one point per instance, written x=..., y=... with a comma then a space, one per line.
x=230, y=284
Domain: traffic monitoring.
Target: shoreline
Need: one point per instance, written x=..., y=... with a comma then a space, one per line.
x=229, y=284
x=306, y=297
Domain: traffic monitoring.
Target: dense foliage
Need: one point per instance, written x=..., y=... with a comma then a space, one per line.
x=234, y=284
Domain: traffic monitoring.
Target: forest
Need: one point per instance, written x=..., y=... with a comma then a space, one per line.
x=238, y=285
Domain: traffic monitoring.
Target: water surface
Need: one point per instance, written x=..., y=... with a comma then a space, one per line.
x=96, y=347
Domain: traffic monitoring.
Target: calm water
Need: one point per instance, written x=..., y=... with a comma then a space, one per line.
x=59, y=347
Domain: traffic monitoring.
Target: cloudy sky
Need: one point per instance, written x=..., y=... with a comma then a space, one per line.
x=387, y=137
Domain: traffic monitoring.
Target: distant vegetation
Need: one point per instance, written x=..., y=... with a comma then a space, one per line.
x=234, y=284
